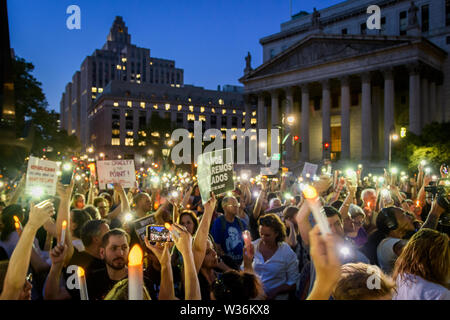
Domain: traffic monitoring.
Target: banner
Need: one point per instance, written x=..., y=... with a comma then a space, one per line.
x=116, y=171
x=309, y=168
x=214, y=173
x=41, y=177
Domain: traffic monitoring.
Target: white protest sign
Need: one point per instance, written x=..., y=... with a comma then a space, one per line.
x=214, y=173
x=41, y=177
x=309, y=170
x=116, y=171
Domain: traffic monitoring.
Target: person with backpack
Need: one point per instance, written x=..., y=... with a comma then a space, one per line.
x=227, y=233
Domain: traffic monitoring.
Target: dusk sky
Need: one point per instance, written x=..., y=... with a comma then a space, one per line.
x=209, y=39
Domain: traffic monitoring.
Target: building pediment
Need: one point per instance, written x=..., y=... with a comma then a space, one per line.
x=319, y=49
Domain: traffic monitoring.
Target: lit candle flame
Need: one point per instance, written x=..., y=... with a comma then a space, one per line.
x=64, y=224
x=135, y=257
x=310, y=192
x=16, y=219
x=80, y=272
x=417, y=203
x=17, y=225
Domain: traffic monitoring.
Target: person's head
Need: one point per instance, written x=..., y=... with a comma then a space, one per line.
x=143, y=202
x=334, y=221
x=395, y=223
x=92, y=211
x=189, y=219
x=120, y=292
x=196, y=191
x=271, y=195
x=355, y=280
x=369, y=195
x=211, y=260
x=8, y=219
x=77, y=220
x=114, y=249
x=357, y=214
x=230, y=205
x=236, y=286
x=92, y=233
x=289, y=213
x=274, y=203
x=271, y=230
x=427, y=255
x=102, y=205
x=107, y=196
x=78, y=201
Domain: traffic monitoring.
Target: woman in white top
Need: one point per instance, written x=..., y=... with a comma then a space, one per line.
x=274, y=261
x=422, y=271
x=77, y=220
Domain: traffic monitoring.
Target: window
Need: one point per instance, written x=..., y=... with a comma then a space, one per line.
x=221, y=102
x=155, y=106
x=201, y=118
x=179, y=118
x=191, y=108
x=180, y=107
x=115, y=142
x=234, y=121
x=129, y=103
x=213, y=110
x=317, y=103
x=115, y=133
x=94, y=89
x=224, y=111
x=252, y=121
x=129, y=142
x=224, y=121
x=447, y=12
x=344, y=31
x=191, y=117
x=403, y=24
x=143, y=105
x=425, y=18
x=363, y=28
x=167, y=106
x=116, y=104
x=202, y=109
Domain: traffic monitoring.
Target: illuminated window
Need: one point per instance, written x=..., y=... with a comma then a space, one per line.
x=129, y=103
x=143, y=105
x=129, y=133
x=224, y=111
x=167, y=106
x=180, y=107
x=151, y=63
x=155, y=134
x=124, y=59
x=93, y=97
x=142, y=133
x=119, y=67
x=191, y=117
x=191, y=108
x=189, y=99
x=115, y=132
x=177, y=85
x=202, y=109
x=138, y=76
x=115, y=141
x=155, y=106
x=244, y=113
x=142, y=144
x=100, y=90
x=253, y=121
x=94, y=89
x=234, y=111
x=221, y=102
x=116, y=104
x=129, y=142
x=124, y=67
x=167, y=135
x=201, y=118
x=213, y=110
x=254, y=113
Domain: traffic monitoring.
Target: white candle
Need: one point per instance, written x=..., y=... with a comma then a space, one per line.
x=63, y=232
x=318, y=212
x=82, y=284
x=135, y=274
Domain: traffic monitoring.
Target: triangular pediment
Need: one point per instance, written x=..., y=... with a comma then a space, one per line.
x=320, y=49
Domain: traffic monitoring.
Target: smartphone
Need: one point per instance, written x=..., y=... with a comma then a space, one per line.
x=67, y=173
x=158, y=233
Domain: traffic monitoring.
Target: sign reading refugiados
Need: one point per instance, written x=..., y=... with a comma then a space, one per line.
x=41, y=177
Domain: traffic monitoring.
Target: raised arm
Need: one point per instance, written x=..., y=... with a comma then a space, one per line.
x=186, y=197
x=201, y=237
x=124, y=204
x=304, y=226
x=92, y=190
x=53, y=289
x=20, y=258
x=184, y=245
x=348, y=225
x=65, y=193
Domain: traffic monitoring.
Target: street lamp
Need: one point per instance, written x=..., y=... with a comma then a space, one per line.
x=102, y=155
x=90, y=150
x=392, y=137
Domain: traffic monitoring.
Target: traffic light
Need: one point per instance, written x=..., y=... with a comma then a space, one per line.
x=296, y=138
x=326, y=146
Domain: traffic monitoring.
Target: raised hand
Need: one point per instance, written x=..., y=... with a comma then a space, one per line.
x=210, y=205
x=40, y=213
x=184, y=239
x=65, y=192
x=161, y=251
x=58, y=254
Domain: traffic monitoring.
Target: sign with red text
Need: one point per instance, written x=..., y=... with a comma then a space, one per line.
x=41, y=177
x=116, y=171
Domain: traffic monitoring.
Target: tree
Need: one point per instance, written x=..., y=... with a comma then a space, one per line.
x=32, y=114
x=433, y=145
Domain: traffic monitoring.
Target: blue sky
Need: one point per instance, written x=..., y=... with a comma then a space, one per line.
x=209, y=39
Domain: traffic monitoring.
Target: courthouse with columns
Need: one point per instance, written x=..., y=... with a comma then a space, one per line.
x=350, y=88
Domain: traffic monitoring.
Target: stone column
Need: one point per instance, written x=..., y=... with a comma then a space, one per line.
x=305, y=123
x=261, y=112
x=326, y=117
x=248, y=111
x=424, y=107
x=345, y=118
x=414, y=100
x=389, y=98
x=432, y=100
x=366, y=121
x=274, y=108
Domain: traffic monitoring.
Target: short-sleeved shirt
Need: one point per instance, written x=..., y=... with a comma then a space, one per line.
x=281, y=268
x=412, y=287
x=386, y=255
x=230, y=238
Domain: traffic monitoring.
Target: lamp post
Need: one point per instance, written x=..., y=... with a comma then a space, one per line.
x=392, y=137
x=289, y=121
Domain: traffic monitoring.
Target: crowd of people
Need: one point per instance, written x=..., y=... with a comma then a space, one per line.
x=388, y=239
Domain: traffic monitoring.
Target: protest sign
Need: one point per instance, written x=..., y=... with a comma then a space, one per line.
x=215, y=173
x=309, y=170
x=140, y=226
x=41, y=177
x=116, y=171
